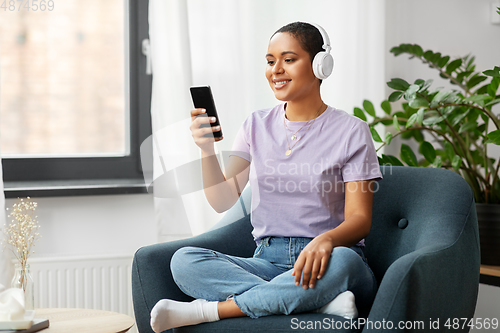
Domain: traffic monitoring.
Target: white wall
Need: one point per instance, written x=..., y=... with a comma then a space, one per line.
x=455, y=28
x=94, y=225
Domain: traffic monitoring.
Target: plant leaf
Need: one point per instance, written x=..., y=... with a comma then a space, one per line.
x=375, y=135
x=475, y=80
x=391, y=160
x=359, y=113
x=420, y=116
x=458, y=118
x=468, y=127
x=386, y=106
x=438, y=162
x=411, y=92
x=388, y=137
x=493, y=72
x=493, y=86
x=493, y=137
x=477, y=98
x=456, y=162
x=449, y=151
x=452, y=66
x=443, y=61
x=427, y=149
x=408, y=156
x=398, y=84
x=417, y=50
x=395, y=123
x=495, y=101
x=428, y=55
x=419, y=102
x=368, y=106
x=411, y=120
x=426, y=85
x=433, y=120
x=440, y=96
x=436, y=57
x=396, y=96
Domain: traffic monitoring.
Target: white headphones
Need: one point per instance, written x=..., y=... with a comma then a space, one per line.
x=323, y=61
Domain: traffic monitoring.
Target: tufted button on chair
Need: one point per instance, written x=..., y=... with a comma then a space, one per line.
x=423, y=249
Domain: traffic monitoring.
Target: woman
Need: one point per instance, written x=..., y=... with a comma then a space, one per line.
x=311, y=169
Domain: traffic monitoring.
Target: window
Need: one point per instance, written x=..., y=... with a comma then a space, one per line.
x=74, y=97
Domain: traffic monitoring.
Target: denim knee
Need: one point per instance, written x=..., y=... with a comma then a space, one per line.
x=349, y=262
x=345, y=252
x=183, y=262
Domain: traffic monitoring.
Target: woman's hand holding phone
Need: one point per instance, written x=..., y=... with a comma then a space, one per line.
x=203, y=134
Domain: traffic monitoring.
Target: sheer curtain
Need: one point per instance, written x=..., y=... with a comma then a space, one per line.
x=5, y=264
x=5, y=257
x=222, y=43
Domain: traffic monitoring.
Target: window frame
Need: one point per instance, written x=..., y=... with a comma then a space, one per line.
x=40, y=172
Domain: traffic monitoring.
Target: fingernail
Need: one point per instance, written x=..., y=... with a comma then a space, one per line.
x=311, y=286
x=203, y=110
x=217, y=127
x=296, y=283
x=212, y=119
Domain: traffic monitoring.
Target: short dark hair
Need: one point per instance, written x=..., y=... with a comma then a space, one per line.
x=307, y=35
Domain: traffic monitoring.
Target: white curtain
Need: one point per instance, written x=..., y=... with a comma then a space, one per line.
x=5, y=256
x=222, y=43
x=5, y=263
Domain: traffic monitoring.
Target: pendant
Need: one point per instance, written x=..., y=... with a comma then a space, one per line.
x=288, y=152
x=294, y=137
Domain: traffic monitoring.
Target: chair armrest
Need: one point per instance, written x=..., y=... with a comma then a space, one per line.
x=431, y=283
x=151, y=276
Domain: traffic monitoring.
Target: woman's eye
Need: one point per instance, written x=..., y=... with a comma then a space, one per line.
x=289, y=60
x=270, y=62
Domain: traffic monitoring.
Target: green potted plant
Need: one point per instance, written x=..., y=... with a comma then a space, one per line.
x=452, y=128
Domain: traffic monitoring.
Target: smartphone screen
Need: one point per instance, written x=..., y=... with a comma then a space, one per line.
x=202, y=98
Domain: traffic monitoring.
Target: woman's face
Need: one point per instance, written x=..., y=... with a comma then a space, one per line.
x=289, y=70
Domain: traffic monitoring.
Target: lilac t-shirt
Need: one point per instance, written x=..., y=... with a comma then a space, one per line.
x=302, y=195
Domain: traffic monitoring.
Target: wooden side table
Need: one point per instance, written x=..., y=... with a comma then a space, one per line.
x=490, y=275
x=84, y=321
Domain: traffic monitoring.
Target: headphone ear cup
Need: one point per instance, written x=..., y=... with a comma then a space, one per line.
x=322, y=65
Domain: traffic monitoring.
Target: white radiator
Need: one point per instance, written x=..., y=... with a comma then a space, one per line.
x=91, y=282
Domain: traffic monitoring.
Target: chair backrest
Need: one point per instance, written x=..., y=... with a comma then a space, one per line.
x=413, y=208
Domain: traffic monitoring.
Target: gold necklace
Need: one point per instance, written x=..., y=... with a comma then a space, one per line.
x=289, y=151
x=294, y=135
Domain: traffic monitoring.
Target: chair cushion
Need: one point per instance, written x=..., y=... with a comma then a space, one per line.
x=305, y=322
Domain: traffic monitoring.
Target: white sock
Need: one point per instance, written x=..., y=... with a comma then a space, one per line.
x=343, y=305
x=167, y=314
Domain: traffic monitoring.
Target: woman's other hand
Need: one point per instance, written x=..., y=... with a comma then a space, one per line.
x=313, y=261
x=201, y=134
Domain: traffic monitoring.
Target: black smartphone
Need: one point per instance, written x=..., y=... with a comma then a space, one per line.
x=203, y=99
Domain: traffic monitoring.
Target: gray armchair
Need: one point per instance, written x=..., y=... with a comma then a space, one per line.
x=423, y=249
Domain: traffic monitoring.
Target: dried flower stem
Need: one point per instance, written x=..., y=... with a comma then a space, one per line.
x=22, y=232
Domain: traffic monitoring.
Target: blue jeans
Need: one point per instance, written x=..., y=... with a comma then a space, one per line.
x=263, y=285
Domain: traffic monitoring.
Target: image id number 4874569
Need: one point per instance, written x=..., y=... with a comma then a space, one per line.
x=27, y=5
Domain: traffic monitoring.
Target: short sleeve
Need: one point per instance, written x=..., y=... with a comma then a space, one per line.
x=361, y=157
x=241, y=146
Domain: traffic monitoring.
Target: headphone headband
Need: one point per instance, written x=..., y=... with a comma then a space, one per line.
x=324, y=35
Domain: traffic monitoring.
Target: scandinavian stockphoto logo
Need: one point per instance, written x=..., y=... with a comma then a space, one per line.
x=320, y=177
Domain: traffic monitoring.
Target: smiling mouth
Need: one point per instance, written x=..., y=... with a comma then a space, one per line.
x=280, y=84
